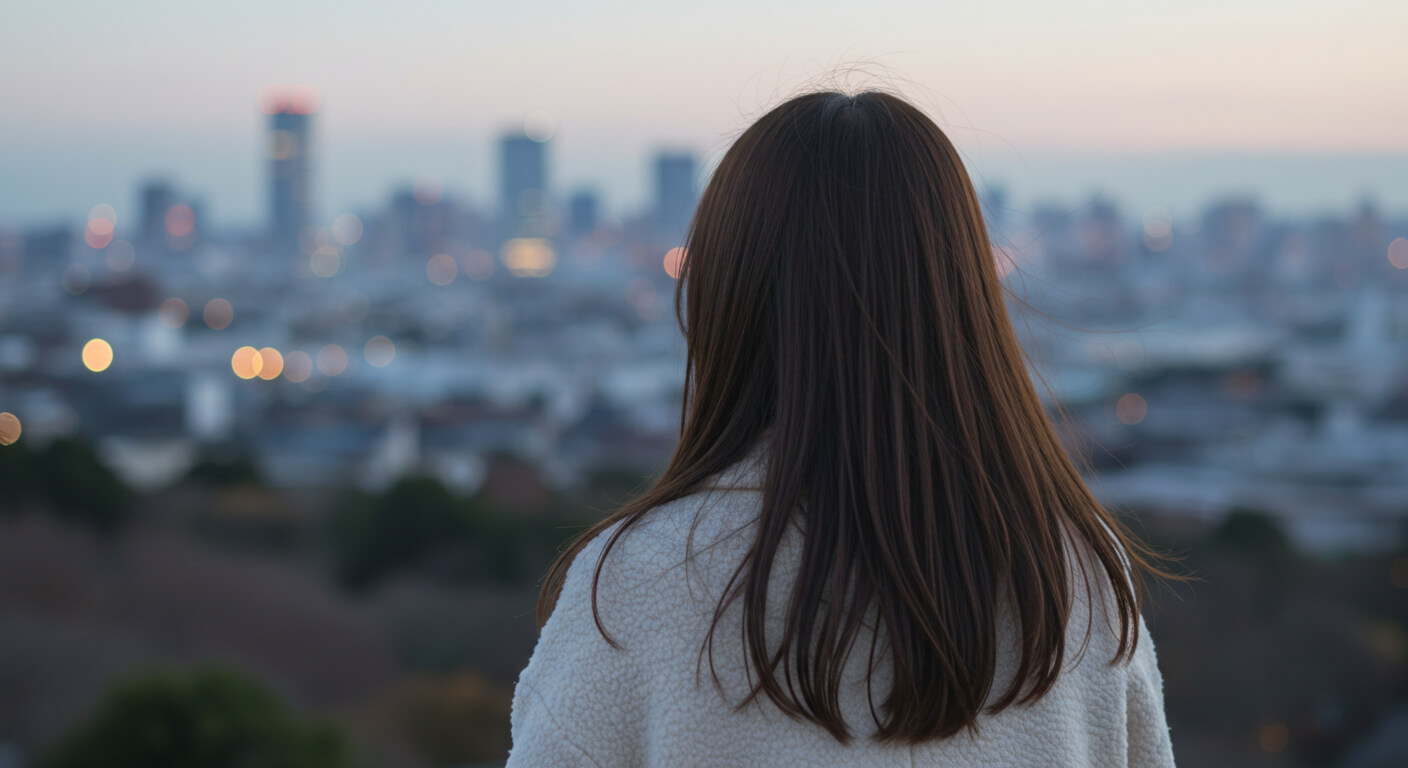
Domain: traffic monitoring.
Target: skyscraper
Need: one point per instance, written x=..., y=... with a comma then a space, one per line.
x=522, y=186
x=157, y=198
x=290, y=176
x=582, y=212
x=675, y=195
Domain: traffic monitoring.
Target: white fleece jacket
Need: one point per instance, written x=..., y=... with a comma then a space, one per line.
x=580, y=702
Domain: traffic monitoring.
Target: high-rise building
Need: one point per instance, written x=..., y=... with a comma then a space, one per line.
x=157, y=198
x=994, y=203
x=583, y=210
x=522, y=185
x=290, y=171
x=675, y=195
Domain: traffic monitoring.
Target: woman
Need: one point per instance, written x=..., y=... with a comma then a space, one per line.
x=869, y=548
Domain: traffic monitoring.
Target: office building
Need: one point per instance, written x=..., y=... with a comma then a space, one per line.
x=676, y=195
x=290, y=169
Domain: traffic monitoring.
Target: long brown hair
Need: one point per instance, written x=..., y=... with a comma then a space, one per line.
x=840, y=291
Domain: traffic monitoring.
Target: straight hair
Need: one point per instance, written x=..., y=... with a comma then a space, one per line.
x=839, y=291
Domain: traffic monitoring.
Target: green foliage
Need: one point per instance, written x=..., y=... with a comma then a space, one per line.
x=1252, y=531
x=18, y=475
x=373, y=536
x=212, y=717
x=69, y=479
x=222, y=469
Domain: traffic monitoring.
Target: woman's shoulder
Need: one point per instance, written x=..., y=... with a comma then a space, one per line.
x=669, y=548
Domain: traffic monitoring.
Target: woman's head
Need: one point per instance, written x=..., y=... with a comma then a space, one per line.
x=839, y=290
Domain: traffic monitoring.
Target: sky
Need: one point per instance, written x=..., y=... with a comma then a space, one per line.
x=1303, y=104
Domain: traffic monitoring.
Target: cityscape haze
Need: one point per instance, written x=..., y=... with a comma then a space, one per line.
x=322, y=328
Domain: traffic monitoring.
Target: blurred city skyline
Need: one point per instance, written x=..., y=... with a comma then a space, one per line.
x=1293, y=103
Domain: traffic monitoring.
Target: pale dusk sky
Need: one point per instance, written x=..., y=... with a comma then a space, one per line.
x=1304, y=104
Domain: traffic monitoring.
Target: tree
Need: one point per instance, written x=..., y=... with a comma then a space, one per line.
x=81, y=487
x=211, y=717
x=372, y=537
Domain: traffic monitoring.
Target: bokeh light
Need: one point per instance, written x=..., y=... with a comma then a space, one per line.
x=1158, y=229
x=298, y=366
x=347, y=229
x=271, y=363
x=173, y=313
x=9, y=428
x=218, y=314
x=1274, y=737
x=427, y=190
x=121, y=256
x=379, y=351
x=103, y=211
x=325, y=262
x=97, y=355
x=478, y=264
x=98, y=233
x=1131, y=409
x=75, y=279
x=528, y=257
x=539, y=125
x=1398, y=253
x=332, y=360
x=180, y=220
x=674, y=262
x=246, y=362
x=441, y=269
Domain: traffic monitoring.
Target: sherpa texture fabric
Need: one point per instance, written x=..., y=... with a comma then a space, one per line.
x=653, y=702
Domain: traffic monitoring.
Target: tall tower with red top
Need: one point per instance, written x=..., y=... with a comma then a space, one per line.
x=289, y=148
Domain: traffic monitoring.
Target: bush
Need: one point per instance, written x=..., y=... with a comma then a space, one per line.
x=211, y=717
x=373, y=536
x=81, y=487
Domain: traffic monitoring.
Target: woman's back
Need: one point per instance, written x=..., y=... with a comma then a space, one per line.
x=850, y=359
x=654, y=701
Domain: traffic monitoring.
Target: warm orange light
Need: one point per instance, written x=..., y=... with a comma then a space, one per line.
x=180, y=220
x=97, y=355
x=246, y=362
x=674, y=262
x=271, y=363
x=218, y=314
x=9, y=428
x=1131, y=409
x=528, y=257
x=298, y=366
x=100, y=226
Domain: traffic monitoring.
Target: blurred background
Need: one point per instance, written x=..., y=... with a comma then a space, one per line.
x=324, y=325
